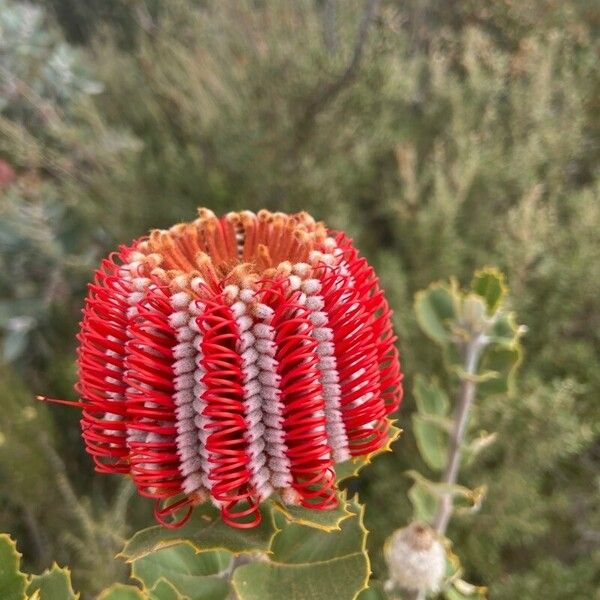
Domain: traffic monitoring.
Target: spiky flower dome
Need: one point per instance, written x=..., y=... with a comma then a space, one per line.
x=231, y=358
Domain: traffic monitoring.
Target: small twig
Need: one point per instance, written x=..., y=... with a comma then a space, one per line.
x=66, y=489
x=32, y=525
x=329, y=92
x=466, y=395
x=329, y=25
x=144, y=18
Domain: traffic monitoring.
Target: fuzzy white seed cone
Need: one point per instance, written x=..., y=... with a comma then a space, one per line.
x=416, y=559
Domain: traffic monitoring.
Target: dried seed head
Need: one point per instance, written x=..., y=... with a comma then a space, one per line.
x=416, y=559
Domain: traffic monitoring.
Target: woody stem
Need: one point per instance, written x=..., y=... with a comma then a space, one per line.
x=464, y=401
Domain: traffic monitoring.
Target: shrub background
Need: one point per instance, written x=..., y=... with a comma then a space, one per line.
x=442, y=136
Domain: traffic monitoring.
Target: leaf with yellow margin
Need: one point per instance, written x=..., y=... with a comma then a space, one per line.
x=205, y=531
x=490, y=284
x=164, y=590
x=310, y=564
x=454, y=587
x=120, y=591
x=12, y=581
x=373, y=592
x=54, y=583
x=197, y=576
x=327, y=520
x=350, y=468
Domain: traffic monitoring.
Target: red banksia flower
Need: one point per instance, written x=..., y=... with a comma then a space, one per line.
x=231, y=358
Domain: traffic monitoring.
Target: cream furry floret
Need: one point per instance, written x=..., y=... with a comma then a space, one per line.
x=189, y=376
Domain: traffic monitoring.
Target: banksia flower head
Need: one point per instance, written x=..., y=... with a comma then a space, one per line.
x=231, y=358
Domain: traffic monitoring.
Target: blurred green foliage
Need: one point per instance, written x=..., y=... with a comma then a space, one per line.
x=463, y=134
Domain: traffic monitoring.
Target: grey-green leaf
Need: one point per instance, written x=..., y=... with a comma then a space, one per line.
x=297, y=543
x=119, y=591
x=505, y=330
x=435, y=308
x=53, y=584
x=12, y=581
x=164, y=590
x=502, y=362
x=373, y=592
x=432, y=442
x=424, y=503
x=340, y=578
x=327, y=520
x=197, y=576
x=489, y=283
x=309, y=564
x=351, y=467
x=204, y=531
x=431, y=399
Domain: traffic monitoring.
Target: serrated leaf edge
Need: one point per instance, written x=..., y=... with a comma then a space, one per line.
x=161, y=579
x=115, y=586
x=176, y=541
x=180, y=596
x=13, y=544
x=363, y=461
x=56, y=567
x=363, y=552
x=500, y=276
x=283, y=509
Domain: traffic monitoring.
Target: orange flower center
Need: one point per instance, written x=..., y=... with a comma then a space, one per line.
x=241, y=245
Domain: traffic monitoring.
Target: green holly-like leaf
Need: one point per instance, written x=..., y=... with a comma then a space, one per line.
x=350, y=468
x=204, y=531
x=373, y=592
x=462, y=590
x=432, y=441
x=455, y=588
x=500, y=363
x=53, y=584
x=425, y=494
x=468, y=501
x=478, y=444
x=431, y=399
x=505, y=331
x=308, y=563
x=338, y=578
x=163, y=590
x=12, y=582
x=197, y=576
x=296, y=543
x=489, y=283
x=435, y=308
x=119, y=591
x=327, y=520
x=424, y=502
x=430, y=425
